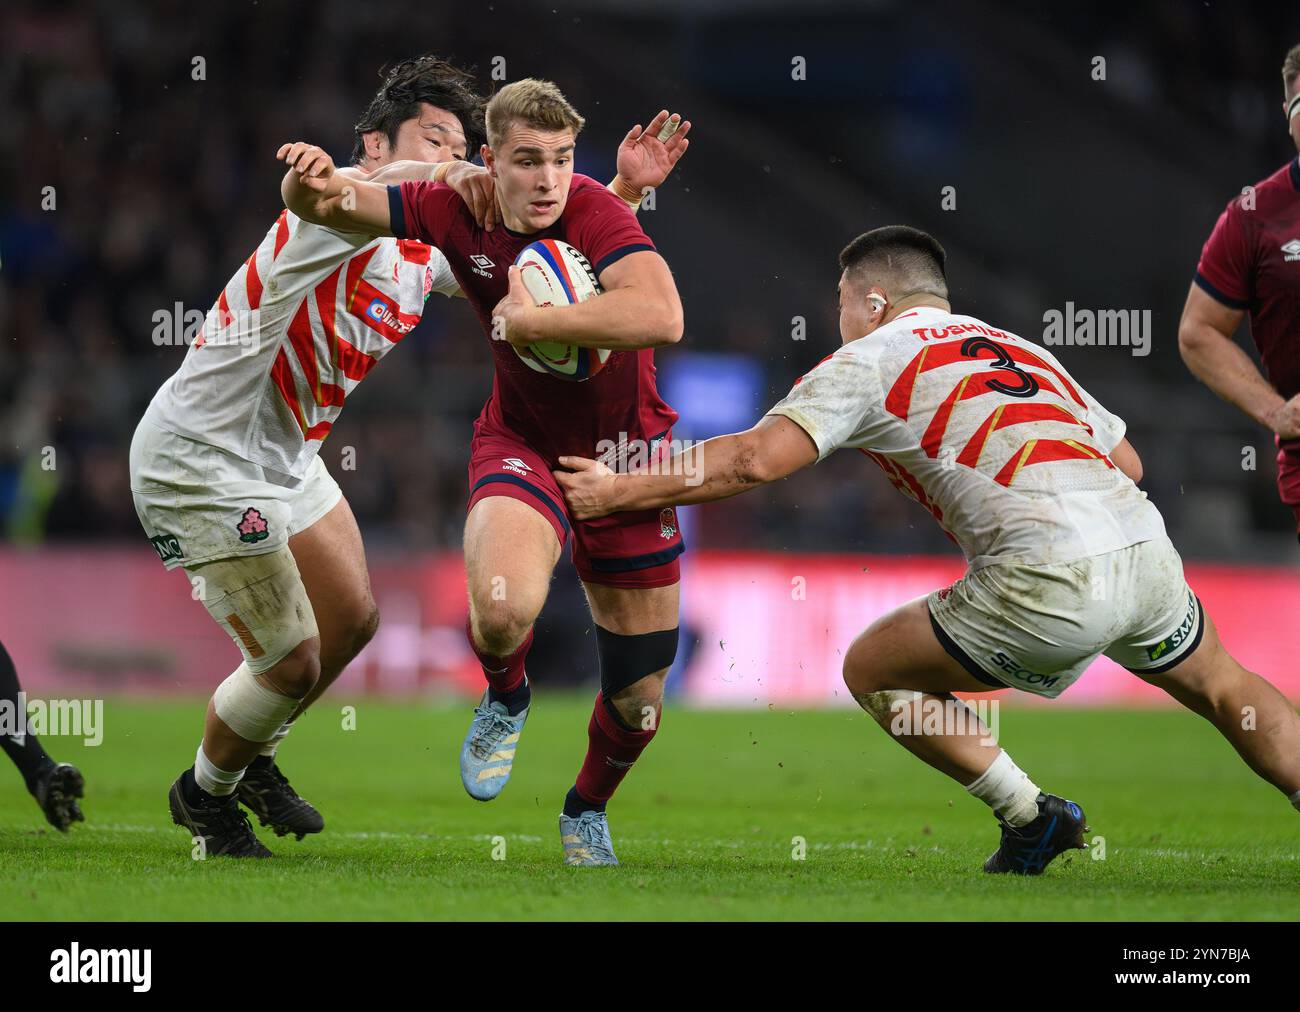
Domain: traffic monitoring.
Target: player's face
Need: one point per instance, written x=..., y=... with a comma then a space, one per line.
x=435, y=135
x=532, y=169
x=859, y=316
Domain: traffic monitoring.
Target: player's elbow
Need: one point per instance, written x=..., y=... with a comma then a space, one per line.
x=289, y=192
x=1127, y=460
x=752, y=468
x=307, y=209
x=667, y=323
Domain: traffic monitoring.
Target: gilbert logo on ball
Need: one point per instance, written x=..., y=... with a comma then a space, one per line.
x=556, y=274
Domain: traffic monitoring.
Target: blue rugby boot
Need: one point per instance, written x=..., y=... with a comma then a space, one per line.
x=489, y=750
x=586, y=840
x=1027, y=850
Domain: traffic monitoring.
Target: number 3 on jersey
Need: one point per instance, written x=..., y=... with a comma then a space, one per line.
x=1008, y=377
x=1028, y=385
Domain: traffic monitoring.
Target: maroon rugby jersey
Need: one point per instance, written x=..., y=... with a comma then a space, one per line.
x=552, y=415
x=1252, y=262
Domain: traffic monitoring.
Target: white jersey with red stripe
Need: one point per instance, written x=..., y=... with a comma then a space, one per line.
x=985, y=430
x=300, y=324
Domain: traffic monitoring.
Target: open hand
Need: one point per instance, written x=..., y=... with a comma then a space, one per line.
x=645, y=160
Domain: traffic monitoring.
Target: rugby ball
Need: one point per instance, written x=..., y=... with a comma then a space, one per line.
x=556, y=274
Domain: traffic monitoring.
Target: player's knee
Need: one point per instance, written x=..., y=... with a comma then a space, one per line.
x=347, y=635
x=362, y=628
x=861, y=677
x=297, y=672
x=500, y=626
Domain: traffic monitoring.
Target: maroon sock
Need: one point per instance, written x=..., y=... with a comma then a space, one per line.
x=611, y=750
x=504, y=674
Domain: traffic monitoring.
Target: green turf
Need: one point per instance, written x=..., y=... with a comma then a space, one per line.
x=704, y=826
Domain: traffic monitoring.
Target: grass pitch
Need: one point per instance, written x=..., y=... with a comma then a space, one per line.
x=705, y=826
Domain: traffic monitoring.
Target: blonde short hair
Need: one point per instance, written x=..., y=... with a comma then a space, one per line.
x=1291, y=68
x=539, y=104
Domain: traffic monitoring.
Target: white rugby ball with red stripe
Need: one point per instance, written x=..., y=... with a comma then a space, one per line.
x=556, y=274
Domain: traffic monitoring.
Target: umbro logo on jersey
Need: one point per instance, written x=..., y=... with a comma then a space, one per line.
x=481, y=264
x=1292, y=249
x=516, y=465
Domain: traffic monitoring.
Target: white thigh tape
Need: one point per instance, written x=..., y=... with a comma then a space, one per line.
x=249, y=709
x=261, y=602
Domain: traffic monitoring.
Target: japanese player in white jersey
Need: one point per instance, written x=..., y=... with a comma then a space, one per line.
x=1034, y=480
x=225, y=467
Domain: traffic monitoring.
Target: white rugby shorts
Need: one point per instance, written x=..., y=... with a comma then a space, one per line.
x=199, y=503
x=1037, y=628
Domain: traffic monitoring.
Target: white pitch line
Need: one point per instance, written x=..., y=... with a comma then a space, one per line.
x=519, y=837
x=699, y=844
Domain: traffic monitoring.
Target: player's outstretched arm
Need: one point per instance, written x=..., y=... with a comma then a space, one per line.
x=394, y=172
x=352, y=201
x=646, y=157
x=715, y=469
x=1205, y=339
x=640, y=308
x=316, y=192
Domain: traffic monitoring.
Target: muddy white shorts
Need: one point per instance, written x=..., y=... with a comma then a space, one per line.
x=199, y=503
x=1037, y=628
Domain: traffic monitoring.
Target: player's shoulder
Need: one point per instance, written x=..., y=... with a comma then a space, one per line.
x=440, y=193
x=863, y=353
x=1283, y=184
x=1275, y=191
x=313, y=241
x=584, y=185
x=441, y=204
x=591, y=195
x=433, y=196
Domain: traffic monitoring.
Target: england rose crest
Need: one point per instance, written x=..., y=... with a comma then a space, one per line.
x=253, y=527
x=667, y=523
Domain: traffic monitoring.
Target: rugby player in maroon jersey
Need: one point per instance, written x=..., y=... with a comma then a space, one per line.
x=518, y=520
x=1250, y=265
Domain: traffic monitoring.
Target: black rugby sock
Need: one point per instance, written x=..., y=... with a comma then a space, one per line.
x=515, y=700
x=25, y=751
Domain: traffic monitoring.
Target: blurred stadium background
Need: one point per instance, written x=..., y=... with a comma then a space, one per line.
x=1068, y=189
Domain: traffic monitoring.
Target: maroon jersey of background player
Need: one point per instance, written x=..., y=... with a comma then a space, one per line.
x=554, y=416
x=1252, y=262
